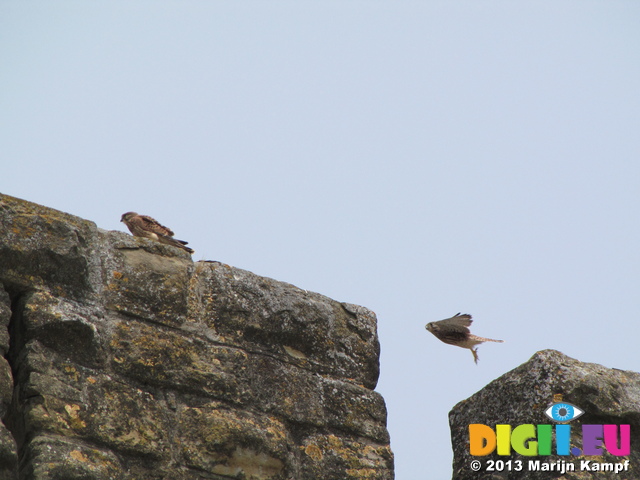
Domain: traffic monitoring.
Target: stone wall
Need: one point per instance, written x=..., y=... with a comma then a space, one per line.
x=124, y=359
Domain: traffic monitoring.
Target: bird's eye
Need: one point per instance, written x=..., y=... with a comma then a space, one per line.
x=563, y=412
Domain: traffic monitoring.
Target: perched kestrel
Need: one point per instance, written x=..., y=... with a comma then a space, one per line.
x=454, y=331
x=144, y=226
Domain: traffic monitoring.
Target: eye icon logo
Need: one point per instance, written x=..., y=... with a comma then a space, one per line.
x=563, y=412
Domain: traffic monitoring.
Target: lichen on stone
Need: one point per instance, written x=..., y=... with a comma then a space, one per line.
x=125, y=360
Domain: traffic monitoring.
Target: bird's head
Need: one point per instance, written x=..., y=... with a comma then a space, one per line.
x=429, y=326
x=126, y=216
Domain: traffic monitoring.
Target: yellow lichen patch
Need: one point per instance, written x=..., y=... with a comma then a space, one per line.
x=74, y=419
x=96, y=461
x=79, y=456
x=91, y=380
x=71, y=370
x=50, y=414
x=117, y=275
x=146, y=362
x=362, y=472
x=129, y=419
x=370, y=451
x=334, y=441
x=130, y=438
x=314, y=452
x=359, y=460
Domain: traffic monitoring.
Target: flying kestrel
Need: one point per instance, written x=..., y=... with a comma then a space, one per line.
x=144, y=226
x=454, y=331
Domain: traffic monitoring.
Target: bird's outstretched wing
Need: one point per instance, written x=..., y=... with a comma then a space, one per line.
x=458, y=323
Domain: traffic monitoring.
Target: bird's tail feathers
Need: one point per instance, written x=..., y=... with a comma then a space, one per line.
x=176, y=243
x=492, y=340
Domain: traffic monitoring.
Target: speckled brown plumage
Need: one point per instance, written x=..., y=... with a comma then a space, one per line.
x=145, y=226
x=454, y=331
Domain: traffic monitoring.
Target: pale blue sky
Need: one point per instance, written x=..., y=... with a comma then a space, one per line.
x=418, y=158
